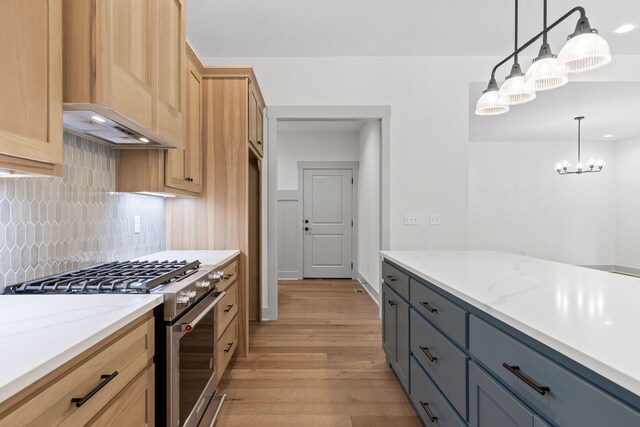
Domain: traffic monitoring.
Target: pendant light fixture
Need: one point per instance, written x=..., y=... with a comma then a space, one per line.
x=513, y=90
x=591, y=166
x=585, y=50
x=546, y=72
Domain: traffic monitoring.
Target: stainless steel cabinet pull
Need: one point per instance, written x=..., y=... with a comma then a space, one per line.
x=515, y=370
x=430, y=414
x=429, y=308
x=228, y=349
x=104, y=380
x=427, y=353
x=228, y=309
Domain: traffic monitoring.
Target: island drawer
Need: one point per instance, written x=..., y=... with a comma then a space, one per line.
x=397, y=280
x=227, y=308
x=89, y=384
x=226, y=347
x=443, y=361
x=230, y=275
x=445, y=315
x=433, y=408
x=553, y=391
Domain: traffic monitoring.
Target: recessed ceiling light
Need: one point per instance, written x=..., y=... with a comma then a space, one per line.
x=608, y=136
x=625, y=28
x=143, y=139
x=98, y=119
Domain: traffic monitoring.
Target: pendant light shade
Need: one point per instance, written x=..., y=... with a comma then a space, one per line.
x=513, y=91
x=546, y=72
x=489, y=103
x=585, y=49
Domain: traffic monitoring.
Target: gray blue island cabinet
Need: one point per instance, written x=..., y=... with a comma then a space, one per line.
x=461, y=366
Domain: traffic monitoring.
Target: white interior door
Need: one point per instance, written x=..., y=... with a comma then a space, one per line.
x=328, y=226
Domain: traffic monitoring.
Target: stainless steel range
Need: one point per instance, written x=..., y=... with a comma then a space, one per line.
x=185, y=328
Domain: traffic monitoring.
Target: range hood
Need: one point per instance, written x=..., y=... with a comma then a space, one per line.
x=102, y=124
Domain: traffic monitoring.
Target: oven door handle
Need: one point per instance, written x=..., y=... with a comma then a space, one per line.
x=188, y=327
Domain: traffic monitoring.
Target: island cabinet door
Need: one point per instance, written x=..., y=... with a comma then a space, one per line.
x=389, y=304
x=491, y=405
x=402, y=343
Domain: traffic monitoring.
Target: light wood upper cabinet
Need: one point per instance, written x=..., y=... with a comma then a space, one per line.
x=171, y=172
x=125, y=59
x=171, y=67
x=184, y=167
x=256, y=105
x=31, y=86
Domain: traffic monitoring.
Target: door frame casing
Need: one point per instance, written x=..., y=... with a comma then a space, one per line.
x=353, y=167
x=270, y=181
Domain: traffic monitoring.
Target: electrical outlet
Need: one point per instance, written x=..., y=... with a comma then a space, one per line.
x=435, y=219
x=136, y=224
x=411, y=219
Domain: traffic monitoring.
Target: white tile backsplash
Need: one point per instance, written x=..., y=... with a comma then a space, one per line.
x=49, y=225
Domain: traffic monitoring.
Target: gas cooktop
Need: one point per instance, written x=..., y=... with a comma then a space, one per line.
x=111, y=277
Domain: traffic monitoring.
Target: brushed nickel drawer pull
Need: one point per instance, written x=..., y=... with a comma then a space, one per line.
x=429, y=412
x=429, y=308
x=515, y=370
x=427, y=353
x=104, y=380
x=228, y=349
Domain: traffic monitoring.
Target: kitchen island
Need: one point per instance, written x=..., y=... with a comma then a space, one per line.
x=554, y=343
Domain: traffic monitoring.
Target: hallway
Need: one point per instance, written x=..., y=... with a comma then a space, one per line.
x=320, y=364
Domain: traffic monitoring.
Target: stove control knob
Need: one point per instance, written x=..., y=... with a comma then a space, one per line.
x=191, y=295
x=182, y=299
x=216, y=276
x=205, y=284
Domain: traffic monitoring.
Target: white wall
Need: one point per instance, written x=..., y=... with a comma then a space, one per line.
x=518, y=203
x=627, y=205
x=294, y=147
x=369, y=140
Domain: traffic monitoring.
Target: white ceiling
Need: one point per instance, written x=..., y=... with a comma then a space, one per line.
x=608, y=107
x=245, y=28
x=321, y=125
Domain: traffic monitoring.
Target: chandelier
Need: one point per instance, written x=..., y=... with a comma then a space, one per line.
x=584, y=50
x=564, y=167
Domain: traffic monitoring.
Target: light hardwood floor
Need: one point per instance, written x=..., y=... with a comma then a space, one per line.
x=320, y=364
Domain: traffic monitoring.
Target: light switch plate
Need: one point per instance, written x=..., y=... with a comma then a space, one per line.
x=411, y=219
x=136, y=224
x=435, y=219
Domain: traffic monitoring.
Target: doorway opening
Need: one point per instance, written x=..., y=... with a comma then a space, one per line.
x=327, y=194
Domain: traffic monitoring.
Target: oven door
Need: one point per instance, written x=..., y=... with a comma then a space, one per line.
x=191, y=364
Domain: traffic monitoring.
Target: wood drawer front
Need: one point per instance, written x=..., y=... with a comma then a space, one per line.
x=128, y=355
x=425, y=396
x=448, y=369
x=227, y=308
x=396, y=280
x=230, y=275
x=227, y=345
x=491, y=405
x=445, y=315
x=570, y=401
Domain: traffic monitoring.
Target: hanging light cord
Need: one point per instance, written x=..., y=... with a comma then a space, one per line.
x=515, y=48
x=542, y=33
x=544, y=23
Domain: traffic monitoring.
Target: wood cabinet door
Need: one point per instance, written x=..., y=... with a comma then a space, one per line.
x=31, y=83
x=171, y=69
x=183, y=168
x=134, y=407
x=259, y=128
x=253, y=107
x=125, y=58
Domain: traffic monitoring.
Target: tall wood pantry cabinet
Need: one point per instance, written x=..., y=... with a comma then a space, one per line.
x=31, y=87
x=228, y=213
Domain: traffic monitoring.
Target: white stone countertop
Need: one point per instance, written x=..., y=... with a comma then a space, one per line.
x=587, y=315
x=211, y=258
x=39, y=333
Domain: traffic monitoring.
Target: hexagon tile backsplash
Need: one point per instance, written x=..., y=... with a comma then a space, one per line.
x=50, y=225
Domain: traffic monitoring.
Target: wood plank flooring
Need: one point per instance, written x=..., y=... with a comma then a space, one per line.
x=320, y=364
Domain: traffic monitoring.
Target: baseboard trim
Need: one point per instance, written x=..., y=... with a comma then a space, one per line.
x=375, y=296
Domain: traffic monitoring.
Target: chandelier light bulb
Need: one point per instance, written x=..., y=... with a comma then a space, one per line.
x=585, y=49
x=579, y=166
x=558, y=167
